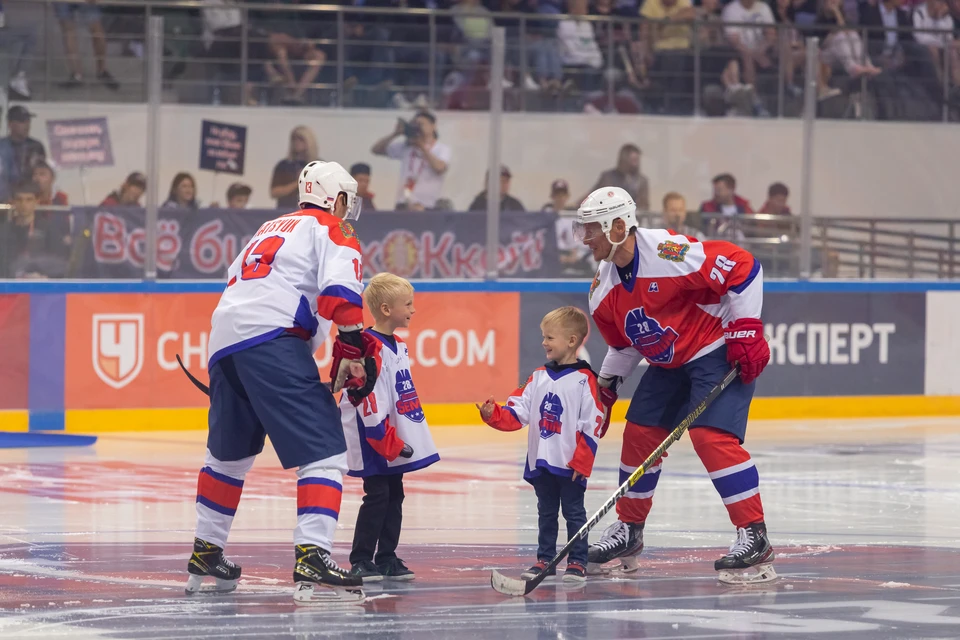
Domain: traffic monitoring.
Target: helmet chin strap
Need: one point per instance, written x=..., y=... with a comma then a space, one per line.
x=613, y=245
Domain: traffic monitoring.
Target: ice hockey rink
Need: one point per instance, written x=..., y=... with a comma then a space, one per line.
x=864, y=514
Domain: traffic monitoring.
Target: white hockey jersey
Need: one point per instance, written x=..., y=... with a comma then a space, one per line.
x=561, y=405
x=387, y=418
x=299, y=273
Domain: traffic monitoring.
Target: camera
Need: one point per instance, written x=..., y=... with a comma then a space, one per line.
x=411, y=130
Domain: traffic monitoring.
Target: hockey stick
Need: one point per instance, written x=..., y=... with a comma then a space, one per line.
x=515, y=587
x=199, y=385
x=204, y=388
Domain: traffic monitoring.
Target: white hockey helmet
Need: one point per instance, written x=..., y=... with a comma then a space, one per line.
x=322, y=182
x=603, y=206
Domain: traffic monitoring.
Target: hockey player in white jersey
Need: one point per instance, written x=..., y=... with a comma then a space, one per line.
x=297, y=275
x=559, y=402
x=387, y=435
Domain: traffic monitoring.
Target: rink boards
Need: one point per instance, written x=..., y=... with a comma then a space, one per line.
x=99, y=356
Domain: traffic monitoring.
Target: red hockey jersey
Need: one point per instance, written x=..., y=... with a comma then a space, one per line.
x=673, y=304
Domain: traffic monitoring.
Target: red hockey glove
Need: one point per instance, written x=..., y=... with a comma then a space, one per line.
x=607, y=394
x=354, y=346
x=746, y=345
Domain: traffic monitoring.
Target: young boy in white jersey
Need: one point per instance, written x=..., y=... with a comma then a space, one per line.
x=387, y=435
x=560, y=403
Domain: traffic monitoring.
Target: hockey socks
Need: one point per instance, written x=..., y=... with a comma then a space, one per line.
x=319, y=492
x=733, y=474
x=638, y=443
x=218, y=495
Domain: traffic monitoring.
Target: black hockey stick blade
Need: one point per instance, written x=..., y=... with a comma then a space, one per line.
x=519, y=587
x=197, y=383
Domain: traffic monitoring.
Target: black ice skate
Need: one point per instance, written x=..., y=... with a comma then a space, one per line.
x=320, y=582
x=208, y=560
x=750, y=558
x=620, y=541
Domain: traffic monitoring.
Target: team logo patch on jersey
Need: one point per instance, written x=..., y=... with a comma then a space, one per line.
x=347, y=229
x=672, y=251
x=594, y=284
x=551, y=410
x=409, y=403
x=654, y=342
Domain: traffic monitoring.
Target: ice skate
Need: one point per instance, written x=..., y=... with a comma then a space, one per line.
x=750, y=558
x=208, y=560
x=320, y=582
x=620, y=542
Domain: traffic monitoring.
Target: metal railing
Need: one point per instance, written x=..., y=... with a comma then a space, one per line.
x=355, y=56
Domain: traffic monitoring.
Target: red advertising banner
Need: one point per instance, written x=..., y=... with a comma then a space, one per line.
x=15, y=347
x=120, y=348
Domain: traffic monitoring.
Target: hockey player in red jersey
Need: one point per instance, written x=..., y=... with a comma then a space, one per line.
x=692, y=309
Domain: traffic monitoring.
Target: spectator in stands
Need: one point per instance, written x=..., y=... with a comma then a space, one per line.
x=668, y=40
x=44, y=177
x=286, y=174
x=724, y=93
x=627, y=176
x=18, y=42
x=32, y=246
x=18, y=151
x=70, y=15
x=238, y=196
x=626, y=70
x=729, y=205
x=841, y=48
x=575, y=259
x=361, y=173
x=287, y=41
x=942, y=51
x=507, y=201
x=675, y=216
x=423, y=161
x=129, y=193
x=776, y=205
x=756, y=45
x=559, y=196
x=579, y=50
x=890, y=49
x=183, y=193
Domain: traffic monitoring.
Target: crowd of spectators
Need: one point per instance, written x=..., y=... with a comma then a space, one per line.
x=32, y=242
x=559, y=55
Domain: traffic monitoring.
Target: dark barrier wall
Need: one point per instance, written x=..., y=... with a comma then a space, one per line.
x=827, y=344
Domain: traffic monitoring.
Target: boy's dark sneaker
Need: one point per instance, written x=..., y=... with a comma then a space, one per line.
x=366, y=570
x=537, y=569
x=394, y=569
x=575, y=573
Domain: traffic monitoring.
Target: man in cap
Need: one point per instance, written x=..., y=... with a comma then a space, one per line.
x=559, y=196
x=18, y=151
x=507, y=201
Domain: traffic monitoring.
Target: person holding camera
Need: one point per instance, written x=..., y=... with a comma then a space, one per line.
x=424, y=161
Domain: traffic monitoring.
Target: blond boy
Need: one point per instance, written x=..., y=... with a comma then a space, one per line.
x=560, y=402
x=387, y=435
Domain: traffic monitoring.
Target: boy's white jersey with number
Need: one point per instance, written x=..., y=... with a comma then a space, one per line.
x=299, y=273
x=388, y=418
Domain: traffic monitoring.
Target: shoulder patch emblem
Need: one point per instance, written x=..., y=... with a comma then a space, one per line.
x=594, y=284
x=672, y=251
x=347, y=229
